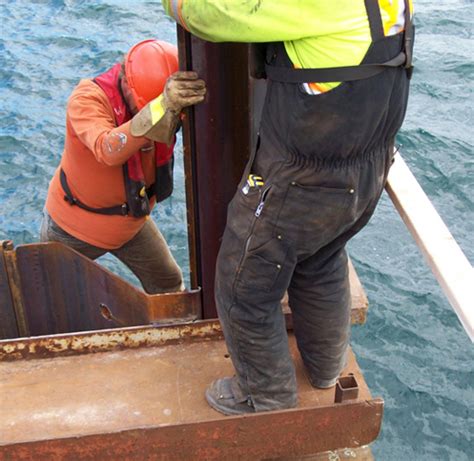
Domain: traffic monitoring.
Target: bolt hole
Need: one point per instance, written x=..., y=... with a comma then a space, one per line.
x=226, y=356
x=105, y=312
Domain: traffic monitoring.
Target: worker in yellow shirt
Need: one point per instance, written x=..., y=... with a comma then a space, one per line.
x=338, y=78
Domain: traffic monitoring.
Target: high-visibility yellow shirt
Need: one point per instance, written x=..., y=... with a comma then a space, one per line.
x=316, y=33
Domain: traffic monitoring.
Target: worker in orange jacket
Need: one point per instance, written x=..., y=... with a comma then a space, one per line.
x=118, y=162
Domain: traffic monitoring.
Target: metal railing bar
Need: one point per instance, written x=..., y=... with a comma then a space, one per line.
x=450, y=266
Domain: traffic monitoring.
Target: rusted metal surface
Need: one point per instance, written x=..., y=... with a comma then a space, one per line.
x=8, y=325
x=12, y=272
x=63, y=291
x=148, y=403
x=253, y=437
x=347, y=388
x=218, y=137
x=55, y=346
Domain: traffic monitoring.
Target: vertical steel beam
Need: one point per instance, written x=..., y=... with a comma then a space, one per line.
x=185, y=59
x=218, y=137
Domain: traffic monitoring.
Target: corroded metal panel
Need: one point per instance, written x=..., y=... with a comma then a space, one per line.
x=8, y=325
x=64, y=291
x=14, y=281
x=91, y=342
x=256, y=437
x=147, y=402
x=59, y=290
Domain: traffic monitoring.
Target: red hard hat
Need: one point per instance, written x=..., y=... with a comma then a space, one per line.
x=148, y=65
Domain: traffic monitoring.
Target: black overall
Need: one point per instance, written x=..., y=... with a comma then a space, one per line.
x=324, y=160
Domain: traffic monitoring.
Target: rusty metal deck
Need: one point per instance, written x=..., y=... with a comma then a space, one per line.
x=143, y=398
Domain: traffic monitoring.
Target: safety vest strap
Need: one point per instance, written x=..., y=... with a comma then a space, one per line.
x=375, y=19
x=331, y=74
x=408, y=39
x=121, y=210
x=349, y=73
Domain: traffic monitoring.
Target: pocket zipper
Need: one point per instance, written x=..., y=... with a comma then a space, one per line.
x=259, y=209
x=258, y=212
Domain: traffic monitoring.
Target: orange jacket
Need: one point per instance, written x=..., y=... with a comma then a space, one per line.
x=94, y=174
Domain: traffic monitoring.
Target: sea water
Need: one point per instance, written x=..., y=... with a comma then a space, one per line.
x=412, y=350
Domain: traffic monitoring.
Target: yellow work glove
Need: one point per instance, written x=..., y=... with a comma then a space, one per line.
x=159, y=118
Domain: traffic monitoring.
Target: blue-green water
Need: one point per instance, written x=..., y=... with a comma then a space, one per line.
x=412, y=350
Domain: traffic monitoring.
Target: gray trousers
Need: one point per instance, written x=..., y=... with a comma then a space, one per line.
x=147, y=255
x=289, y=235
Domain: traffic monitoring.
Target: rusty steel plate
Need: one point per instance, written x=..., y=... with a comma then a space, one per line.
x=91, y=342
x=148, y=403
x=48, y=288
x=8, y=323
x=63, y=291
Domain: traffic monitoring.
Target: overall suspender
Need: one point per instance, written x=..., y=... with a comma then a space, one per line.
x=348, y=73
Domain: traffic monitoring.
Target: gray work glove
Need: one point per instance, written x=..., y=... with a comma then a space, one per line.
x=159, y=118
x=183, y=89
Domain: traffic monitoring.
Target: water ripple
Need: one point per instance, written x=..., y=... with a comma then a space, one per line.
x=412, y=350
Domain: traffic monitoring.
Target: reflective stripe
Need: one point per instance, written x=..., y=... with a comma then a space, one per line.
x=156, y=109
x=180, y=11
x=316, y=88
x=174, y=4
x=177, y=8
x=391, y=9
x=400, y=23
x=393, y=16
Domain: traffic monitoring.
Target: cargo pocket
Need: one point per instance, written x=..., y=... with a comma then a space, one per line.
x=313, y=215
x=264, y=269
